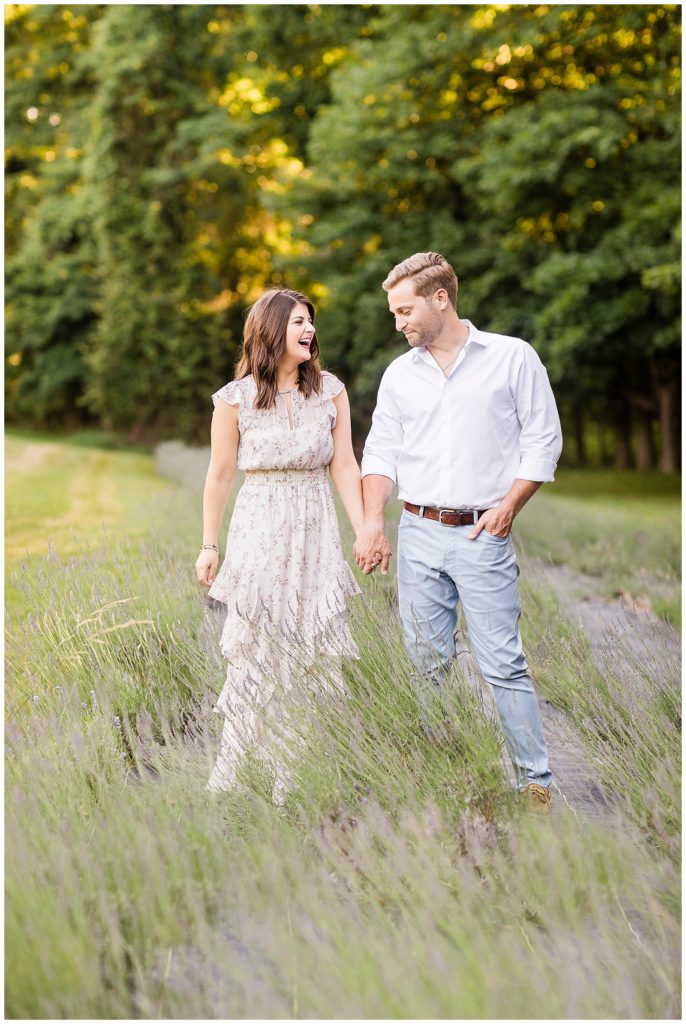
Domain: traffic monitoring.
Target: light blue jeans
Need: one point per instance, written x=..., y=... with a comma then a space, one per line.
x=438, y=566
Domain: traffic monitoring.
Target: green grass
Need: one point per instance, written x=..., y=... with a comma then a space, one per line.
x=401, y=879
x=601, y=483
x=622, y=532
x=86, y=437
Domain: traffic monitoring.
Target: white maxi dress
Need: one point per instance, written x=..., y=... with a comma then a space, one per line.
x=284, y=579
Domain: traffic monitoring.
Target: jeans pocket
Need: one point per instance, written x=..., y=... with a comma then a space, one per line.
x=492, y=536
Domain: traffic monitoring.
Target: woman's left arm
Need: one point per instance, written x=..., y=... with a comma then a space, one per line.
x=345, y=471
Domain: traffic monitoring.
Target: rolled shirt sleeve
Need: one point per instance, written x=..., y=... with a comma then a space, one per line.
x=540, y=440
x=384, y=443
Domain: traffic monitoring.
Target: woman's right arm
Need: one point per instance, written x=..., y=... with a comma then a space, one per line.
x=218, y=483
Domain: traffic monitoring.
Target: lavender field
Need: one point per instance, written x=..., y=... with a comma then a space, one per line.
x=402, y=878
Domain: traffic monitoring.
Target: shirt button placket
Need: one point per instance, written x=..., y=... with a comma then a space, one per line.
x=445, y=444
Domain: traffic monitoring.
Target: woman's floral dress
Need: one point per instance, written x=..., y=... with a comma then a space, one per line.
x=284, y=579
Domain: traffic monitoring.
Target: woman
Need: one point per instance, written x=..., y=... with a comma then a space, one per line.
x=284, y=579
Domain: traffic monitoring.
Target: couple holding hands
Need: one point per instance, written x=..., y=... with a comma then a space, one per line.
x=465, y=425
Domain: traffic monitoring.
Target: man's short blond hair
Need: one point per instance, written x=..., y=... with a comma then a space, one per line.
x=429, y=272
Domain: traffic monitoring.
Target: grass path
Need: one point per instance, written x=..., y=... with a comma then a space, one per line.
x=65, y=497
x=54, y=489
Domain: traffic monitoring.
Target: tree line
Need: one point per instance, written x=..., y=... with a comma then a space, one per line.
x=167, y=163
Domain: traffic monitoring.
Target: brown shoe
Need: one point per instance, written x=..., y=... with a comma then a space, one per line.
x=537, y=797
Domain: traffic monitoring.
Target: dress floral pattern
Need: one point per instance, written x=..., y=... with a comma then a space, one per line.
x=284, y=579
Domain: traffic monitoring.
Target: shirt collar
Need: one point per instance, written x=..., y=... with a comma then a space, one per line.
x=476, y=335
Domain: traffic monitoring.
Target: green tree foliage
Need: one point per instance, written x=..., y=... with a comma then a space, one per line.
x=168, y=162
x=163, y=233
x=540, y=149
x=155, y=336
x=51, y=259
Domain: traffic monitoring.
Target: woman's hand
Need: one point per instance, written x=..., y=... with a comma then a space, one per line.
x=372, y=548
x=206, y=567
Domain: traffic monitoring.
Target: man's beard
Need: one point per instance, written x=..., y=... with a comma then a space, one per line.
x=427, y=334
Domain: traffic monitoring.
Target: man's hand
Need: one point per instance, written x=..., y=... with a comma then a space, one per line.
x=496, y=521
x=372, y=548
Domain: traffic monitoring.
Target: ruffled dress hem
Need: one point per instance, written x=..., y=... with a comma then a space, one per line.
x=262, y=656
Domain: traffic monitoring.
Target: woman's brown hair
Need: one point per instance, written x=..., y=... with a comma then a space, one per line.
x=264, y=343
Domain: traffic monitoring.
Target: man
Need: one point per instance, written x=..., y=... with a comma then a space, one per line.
x=466, y=424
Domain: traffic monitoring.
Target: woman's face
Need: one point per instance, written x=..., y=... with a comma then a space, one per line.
x=299, y=335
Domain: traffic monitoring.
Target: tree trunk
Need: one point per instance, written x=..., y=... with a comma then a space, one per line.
x=645, y=447
x=622, y=436
x=668, y=441
x=605, y=457
x=578, y=421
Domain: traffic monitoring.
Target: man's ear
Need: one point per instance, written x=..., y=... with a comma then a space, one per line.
x=440, y=298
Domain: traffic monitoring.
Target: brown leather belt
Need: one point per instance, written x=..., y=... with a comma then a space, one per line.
x=446, y=516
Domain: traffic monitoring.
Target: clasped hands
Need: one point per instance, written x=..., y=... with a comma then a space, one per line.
x=372, y=549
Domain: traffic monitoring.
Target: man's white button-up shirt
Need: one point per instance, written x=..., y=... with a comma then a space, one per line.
x=460, y=441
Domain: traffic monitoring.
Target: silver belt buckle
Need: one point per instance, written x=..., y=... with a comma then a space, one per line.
x=440, y=514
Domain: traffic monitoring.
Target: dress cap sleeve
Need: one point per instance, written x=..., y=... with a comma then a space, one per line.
x=230, y=393
x=331, y=385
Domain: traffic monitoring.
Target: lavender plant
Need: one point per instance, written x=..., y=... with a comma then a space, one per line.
x=400, y=877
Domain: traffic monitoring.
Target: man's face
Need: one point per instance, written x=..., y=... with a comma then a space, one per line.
x=418, y=318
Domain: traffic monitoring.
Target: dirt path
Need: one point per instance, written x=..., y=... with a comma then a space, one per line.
x=574, y=784
x=184, y=465
x=649, y=647
x=607, y=622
